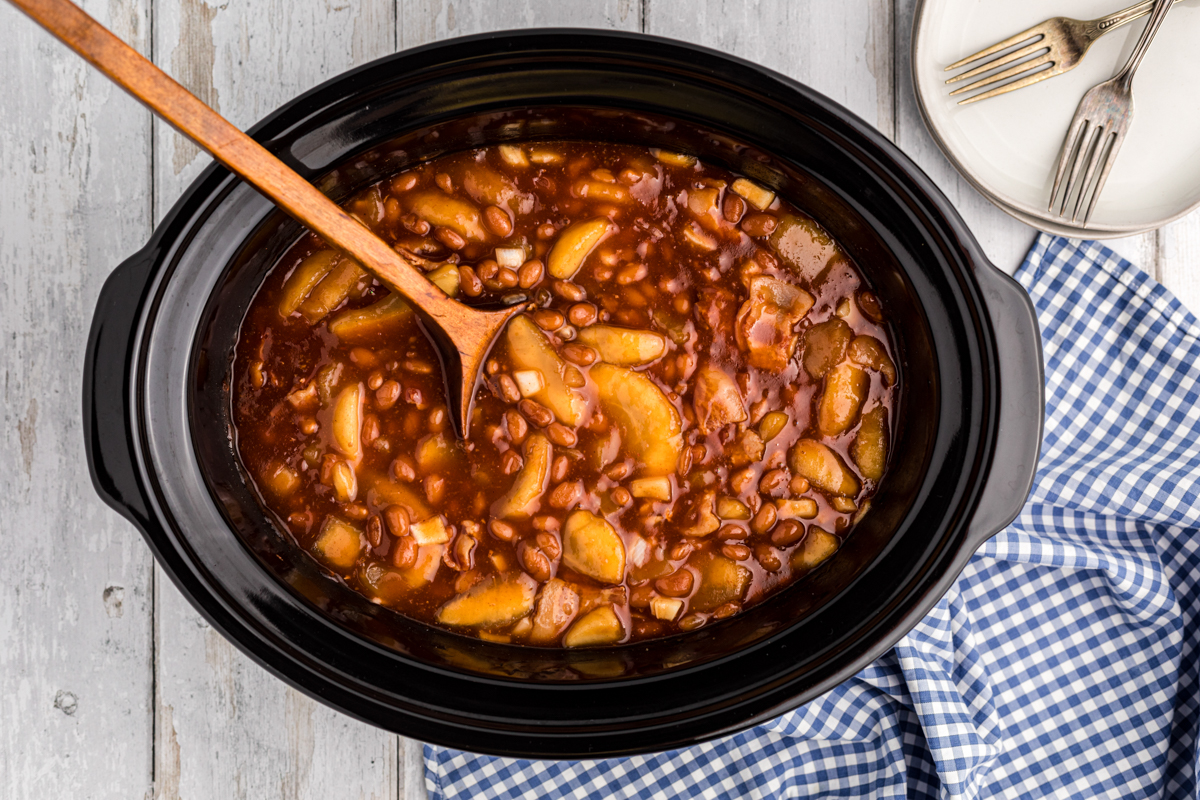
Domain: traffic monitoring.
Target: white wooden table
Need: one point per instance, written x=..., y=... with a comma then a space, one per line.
x=111, y=685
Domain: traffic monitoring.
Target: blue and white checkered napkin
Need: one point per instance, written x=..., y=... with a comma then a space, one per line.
x=1063, y=663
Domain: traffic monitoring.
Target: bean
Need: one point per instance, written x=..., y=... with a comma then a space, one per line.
x=450, y=238
x=632, y=274
x=545, y=522
x=517, y=426
x=404, y=469
x=309, y=425
x=548, y=319
x=497, y=221
x=731, y=531
x=534, y=561
x=682, y=304
x=507, y=278
x=573, y=377
x=404, y=552
x=685, y=463
x=787, y=533
x=435, y=488
x=767, y=557
x=619, y=471
x=397, y=520
x=537, y=413
x=677, y=584
x=621, y=496
x=764, y=519
x=508, y=388
x=404, y=183
x=681, y=550
x=300, y=519
x=502, y=530
x=469, y=281
x=387, y=394
x=415, y=397
x=773, y=481
x=444, y=183
x=439, y=419
x=566, y=495
x=530, y=273
x=549, y=544
x=759, y=225
x=462, y=552
x=559, y=468
x=488, y=269
x=733, y=208
x=510, y=462
x=741, y=480
x=691, y=622
x=568, y=291
x=582, y=314
x=415, y=224
x=375, y=380
x=799, y=485
x=370, y=428
x=869, y=304
x=726, y=610
x=580, y=354
x=699, y=453
x=641, y=594
x=374, y=531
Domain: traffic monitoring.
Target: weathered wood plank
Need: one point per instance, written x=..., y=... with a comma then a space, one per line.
x=1179, y=260
x=75, y=580
x=225, y=727
x=423, y=21
x=842, y=49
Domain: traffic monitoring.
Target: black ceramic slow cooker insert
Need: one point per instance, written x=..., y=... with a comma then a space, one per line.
x=157, y=408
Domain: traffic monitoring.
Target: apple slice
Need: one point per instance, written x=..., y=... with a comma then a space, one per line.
x=493, y=602
x=339, y=543
x=304, y=277
x=722, y=580
x=822, y=467
x=574, y=245
x=557, y=606
x=529, y=349
x=601, y=626
x=651, y=431
x=438, y=208
x=347, y=422
x=625, y=347
x=593, y=548
x=846, y=388
x=870, y=446
x=521, y=500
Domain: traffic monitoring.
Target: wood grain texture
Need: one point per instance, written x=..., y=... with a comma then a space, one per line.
x=1179, y=259
x=423, y=21
x=225, y=727
x=75, y=581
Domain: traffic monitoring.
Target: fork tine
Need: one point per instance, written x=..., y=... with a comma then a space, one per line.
x=1037, y=30
x=1019, y=69
x=1118, y=140
x=1086, y=138
x=996, y=63
x=1069, y=144
x=1101, y=138
x=1029, y=80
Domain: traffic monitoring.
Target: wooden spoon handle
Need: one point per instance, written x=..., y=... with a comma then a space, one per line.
x=241, y=154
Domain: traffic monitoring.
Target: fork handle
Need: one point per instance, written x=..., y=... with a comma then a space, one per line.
x=1157, y=17
x=1124, y=16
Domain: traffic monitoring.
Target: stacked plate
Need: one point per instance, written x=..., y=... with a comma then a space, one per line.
x=1008, y=146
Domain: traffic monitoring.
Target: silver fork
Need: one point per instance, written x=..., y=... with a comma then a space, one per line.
x=1098, y=129
x=1066, y=41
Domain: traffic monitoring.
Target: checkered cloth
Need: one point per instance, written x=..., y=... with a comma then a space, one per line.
x=1063, y=663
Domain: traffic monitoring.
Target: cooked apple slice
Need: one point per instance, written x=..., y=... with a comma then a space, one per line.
x=825, y=346
x=600, y=626
x=347, y=422
x=870, y=446
x=491, y=187
x=716, y=399
x=818, y=545
x=373, y=324
x=765, y=321
x=665, y=608
x=307, y=274
x=390, y=585
x=556, y=607
x=339, y=543
x=529, y=349
x=521, y=500
x=438, y=208
x=332, y=290
x=804, y=246
x=822, y=467
x=651, y=431
x=446, y=277
x=722, y=580
x=845, y=390
x=574, y=245
x=869, y=352
x=592, y=547
x=386, y=492
x=625, y=347
x=280, y=479
x=493, y=602
x=435, y=453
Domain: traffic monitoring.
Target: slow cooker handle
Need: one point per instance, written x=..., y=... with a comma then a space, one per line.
x=1022, y=404
x=107, y=389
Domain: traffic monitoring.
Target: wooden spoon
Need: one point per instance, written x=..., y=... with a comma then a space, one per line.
x=462, y=335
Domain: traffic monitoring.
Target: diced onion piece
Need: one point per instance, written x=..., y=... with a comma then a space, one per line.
x=755, y=195
x=430, y=531
x=732, y=508
x=816, y=547
x=304, y=398
x=656, y=488
x=592, y=547
x=522, y=628
x=529, y=381
x=347, y=422
x=339, y=543
x=513, y=155
x=511, y=257
x=674, y=159
x=345, y=482
x=601, y=626
x=574, y=245
x=804, y=245
x=446, y=278
x=493, y=602
x=665, y=608
x=802, y=508
x=638, y=552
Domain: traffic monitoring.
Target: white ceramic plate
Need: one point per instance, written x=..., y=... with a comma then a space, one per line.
x=1008, y=146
